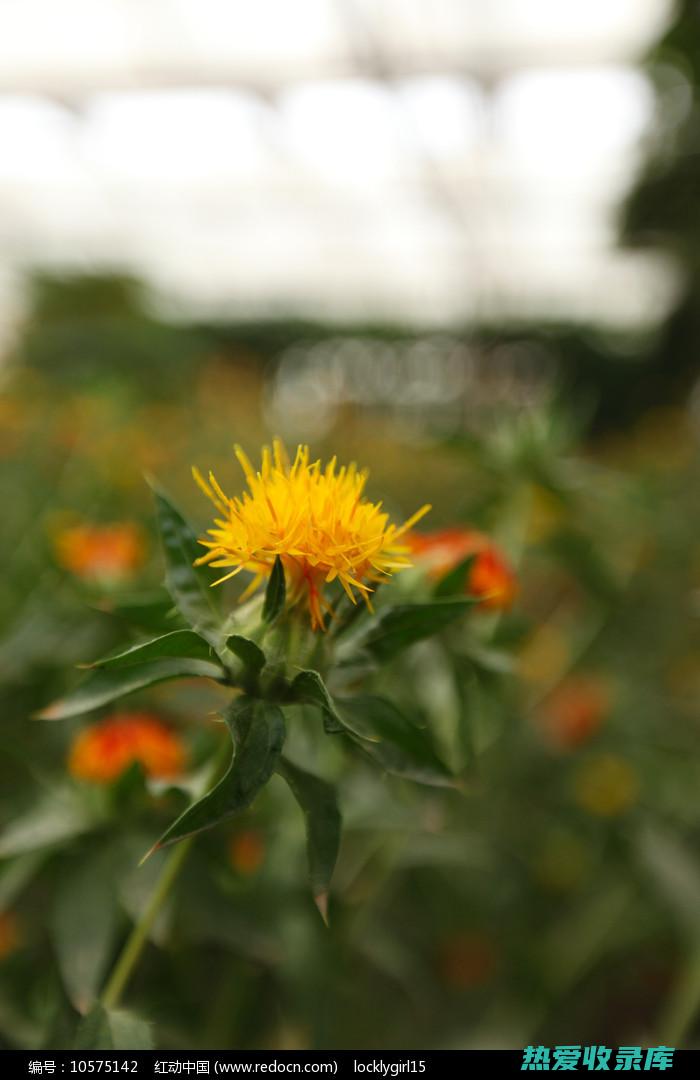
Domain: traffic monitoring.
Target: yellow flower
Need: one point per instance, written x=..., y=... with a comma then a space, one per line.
x=314, y=518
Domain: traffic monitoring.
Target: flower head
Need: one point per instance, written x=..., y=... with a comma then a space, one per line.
x=316, y=519
x=100, y=552
x=489, y=577
x=104, y=751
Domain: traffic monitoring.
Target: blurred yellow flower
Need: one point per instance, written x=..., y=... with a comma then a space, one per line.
x=102, y=752
x=247, y=851
x=606, y=785
x=100, y=552
x=544, y=655
x=10, y=934
x=315, y=519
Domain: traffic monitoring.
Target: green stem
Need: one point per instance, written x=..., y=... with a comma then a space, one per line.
x=130, y=954
x=136, y=941
x=683, y=1003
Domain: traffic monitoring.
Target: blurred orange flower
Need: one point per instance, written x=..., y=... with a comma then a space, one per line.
x=466, y=960
x=10, y=935
x=574, y=711
x=606, y=786
x=100, y=552
x=102, y=753
x=490, y=577
x=247, y=851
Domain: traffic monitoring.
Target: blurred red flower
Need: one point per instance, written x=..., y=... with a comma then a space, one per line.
x=574, y=711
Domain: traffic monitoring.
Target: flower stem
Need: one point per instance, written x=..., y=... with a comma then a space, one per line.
x=129, y=956
x=683, y=1004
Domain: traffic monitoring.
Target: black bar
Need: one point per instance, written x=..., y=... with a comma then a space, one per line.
x=360, y=1064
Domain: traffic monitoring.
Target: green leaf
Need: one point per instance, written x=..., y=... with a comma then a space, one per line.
x=103, y=686
x=258, y=732
x=674, y=871
x=308, y=688
x=454, y=583
x=318, y=802
x=113, y=1029
x=16, y=875
x=251, y=655
x=176, y=643
x=189, y=585
x=150, y=611
x=58, y=816
x=275, y=594
x=389, y=737
x=398, y=627
x=582, y=556
x=83, y=927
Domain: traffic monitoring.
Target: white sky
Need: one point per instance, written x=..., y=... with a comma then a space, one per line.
x=420, y=160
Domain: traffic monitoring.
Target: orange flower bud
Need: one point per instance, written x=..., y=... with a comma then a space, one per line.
x=490, y=577
x=104, y=751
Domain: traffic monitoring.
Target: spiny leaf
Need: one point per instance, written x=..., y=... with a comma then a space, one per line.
x=189, y=585
x=454, y=583
x=176, y=643
x=83, y=925
x=308, y=688
x=318, y=802
x=103, y=686
x=113, y=1029
x=258, y=731
x=275, y=594
x=251, y=655
x=383, y=732
x=398, y=627
x=150, y=611
x=57, y=817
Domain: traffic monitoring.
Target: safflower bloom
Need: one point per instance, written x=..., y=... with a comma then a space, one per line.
x=104, y=751
x=316, y=519
x=100, y=552
x=490, y=578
